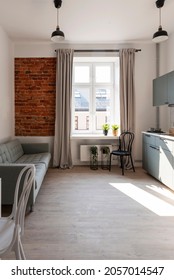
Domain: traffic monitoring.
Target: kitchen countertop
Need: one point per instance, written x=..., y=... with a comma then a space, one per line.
x=162, y=135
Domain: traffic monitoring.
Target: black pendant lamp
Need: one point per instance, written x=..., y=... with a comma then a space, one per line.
x=57, y=35
x=161, y=35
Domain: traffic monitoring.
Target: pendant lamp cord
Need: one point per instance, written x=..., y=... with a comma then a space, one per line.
x=160, y=17
x=57, y=17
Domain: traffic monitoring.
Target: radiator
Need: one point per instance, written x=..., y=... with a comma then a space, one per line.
x=85, y=151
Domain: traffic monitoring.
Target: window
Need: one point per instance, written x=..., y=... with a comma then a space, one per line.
x=95, y=94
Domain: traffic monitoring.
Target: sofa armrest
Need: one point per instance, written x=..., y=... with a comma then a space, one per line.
x=9, y=174
x=34, y=148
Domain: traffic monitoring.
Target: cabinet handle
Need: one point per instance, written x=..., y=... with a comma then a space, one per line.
x=155, y=148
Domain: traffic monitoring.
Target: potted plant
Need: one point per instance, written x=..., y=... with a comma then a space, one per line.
x=115, y=128
x=105, y=128
x=94, y=157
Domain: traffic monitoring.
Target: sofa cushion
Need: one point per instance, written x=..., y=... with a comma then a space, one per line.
x=4, y=154
x=43, y=158
x=40, y=173
x=15, y=150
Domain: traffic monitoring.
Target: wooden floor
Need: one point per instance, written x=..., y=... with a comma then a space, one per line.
x=80, y=215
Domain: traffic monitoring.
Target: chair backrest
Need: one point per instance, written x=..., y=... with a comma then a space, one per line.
x=13, y=226
x=26, y=178
x=126, y=140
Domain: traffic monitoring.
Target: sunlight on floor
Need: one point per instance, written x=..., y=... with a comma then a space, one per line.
x=151, y=202
x=162, y=190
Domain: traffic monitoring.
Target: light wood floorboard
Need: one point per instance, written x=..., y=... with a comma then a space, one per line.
x=79, y=215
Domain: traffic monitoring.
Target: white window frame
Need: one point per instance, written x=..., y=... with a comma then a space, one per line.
x=113, y=86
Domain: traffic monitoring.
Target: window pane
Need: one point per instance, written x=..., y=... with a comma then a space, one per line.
x=95, y=94
x=103, y=74
x=81, y=101
x=82, y=74
x=103, y=106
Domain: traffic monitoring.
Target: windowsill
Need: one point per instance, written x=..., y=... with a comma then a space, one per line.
x=93, y=136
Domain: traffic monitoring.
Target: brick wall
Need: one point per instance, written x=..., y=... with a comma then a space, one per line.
x=35, y=88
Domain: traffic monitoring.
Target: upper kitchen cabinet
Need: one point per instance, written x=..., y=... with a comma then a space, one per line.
x=160, y=96
x=163, y=89
x=171, y=87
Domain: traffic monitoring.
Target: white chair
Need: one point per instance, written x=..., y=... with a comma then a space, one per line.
x=12, y=227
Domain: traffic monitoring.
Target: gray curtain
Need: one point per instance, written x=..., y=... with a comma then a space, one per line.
x=127, y=61
x=62, y=145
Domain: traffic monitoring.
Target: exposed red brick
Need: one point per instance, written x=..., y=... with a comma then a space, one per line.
x=35, y=89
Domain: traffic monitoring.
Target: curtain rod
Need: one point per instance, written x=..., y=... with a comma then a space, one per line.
x=116, y=50
x=111, y=50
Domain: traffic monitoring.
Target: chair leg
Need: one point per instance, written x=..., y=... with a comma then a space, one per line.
x=132, y=163
x=31, y=208
x=110, y=162
x=19, y=251
x=122, y=164
x=22, y=251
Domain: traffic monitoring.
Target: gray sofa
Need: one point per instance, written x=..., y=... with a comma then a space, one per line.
x=13, y=157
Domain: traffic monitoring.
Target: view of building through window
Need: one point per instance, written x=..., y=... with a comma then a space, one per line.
x=95, y=94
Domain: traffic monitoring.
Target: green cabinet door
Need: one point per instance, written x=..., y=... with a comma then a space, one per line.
x=171, y=87
x=149, y=153
x=166, y=168
x=145, y=156
x=160, y=95
x=153, y=161
x=158, y=158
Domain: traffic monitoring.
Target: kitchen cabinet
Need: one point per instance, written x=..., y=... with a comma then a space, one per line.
x=166, y=162
x=148, y=140
x=160, y=96
x=153, y=160
x=158, y=158
x=0, y=197
x=171, y=87
x=166, y=168
x=145, y=159
x=163, y=89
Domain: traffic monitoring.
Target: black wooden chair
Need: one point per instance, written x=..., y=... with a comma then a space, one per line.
x=125, y=150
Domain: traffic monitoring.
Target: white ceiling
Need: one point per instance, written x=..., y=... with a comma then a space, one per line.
x=90, y=21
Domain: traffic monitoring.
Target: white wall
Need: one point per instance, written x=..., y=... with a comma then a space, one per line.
x=170, y=67
x=144, y=73
x=6, y=87
x=144, y=111
x=169, y=53
x=167, y=65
